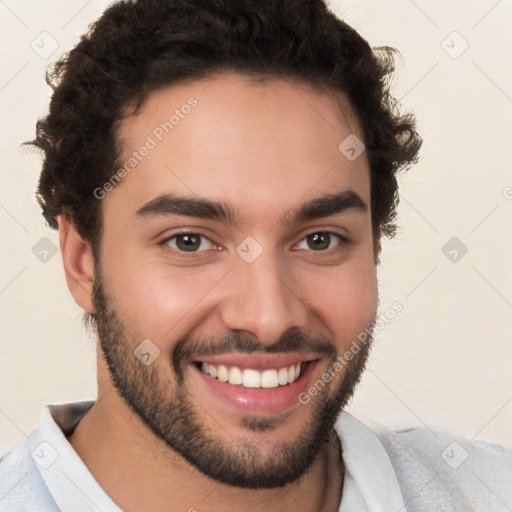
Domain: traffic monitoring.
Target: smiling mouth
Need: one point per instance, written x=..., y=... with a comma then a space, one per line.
x=253, y=378
x=255, y=383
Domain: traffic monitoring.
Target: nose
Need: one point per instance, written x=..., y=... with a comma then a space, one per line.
x=262, y=299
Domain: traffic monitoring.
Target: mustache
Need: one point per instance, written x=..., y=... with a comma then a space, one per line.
x=292, y=340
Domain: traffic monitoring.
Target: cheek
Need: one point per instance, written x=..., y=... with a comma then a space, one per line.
x=156, y=301
x=345, y=301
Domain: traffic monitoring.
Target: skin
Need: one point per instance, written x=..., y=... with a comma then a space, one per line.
x=262, y=148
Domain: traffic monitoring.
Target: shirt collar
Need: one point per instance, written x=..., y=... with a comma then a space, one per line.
x=70, y=483
x=370, y=476
x=368, y=466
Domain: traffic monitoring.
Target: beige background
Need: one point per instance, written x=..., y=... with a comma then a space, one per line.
x=446, y=359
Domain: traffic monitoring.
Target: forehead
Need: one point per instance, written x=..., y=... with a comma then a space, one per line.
x=250, y=143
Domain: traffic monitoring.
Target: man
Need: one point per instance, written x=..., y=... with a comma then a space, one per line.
x=221, y=173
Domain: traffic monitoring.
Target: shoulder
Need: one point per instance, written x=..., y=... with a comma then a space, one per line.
x=473, y=474
x=22, y=487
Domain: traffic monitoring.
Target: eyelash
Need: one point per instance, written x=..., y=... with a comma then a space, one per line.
x=164, y=243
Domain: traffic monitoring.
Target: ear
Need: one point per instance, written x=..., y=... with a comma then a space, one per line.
x=78, y=263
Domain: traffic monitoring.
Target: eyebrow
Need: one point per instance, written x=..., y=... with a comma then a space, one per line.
x=324, y=206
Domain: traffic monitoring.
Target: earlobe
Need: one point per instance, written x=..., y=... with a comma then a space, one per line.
x=78, y=263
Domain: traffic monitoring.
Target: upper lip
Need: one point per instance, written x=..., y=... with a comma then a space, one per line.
x=258, y=361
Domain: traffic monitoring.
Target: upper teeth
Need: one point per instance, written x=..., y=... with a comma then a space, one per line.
x=253, y=378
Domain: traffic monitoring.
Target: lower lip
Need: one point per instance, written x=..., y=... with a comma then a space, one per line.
x=258, y=400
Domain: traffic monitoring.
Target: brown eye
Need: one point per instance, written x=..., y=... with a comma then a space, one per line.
x=319, y=241
x=189, y=242
x=322, y=241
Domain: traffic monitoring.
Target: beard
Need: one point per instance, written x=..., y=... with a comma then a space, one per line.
x=158, y=395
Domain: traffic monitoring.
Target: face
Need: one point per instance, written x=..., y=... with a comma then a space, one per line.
x=237, y=262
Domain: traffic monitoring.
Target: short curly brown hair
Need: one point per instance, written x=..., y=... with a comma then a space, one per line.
x=139, y=46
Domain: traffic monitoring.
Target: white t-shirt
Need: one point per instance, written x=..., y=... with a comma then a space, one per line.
x=386, y=471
